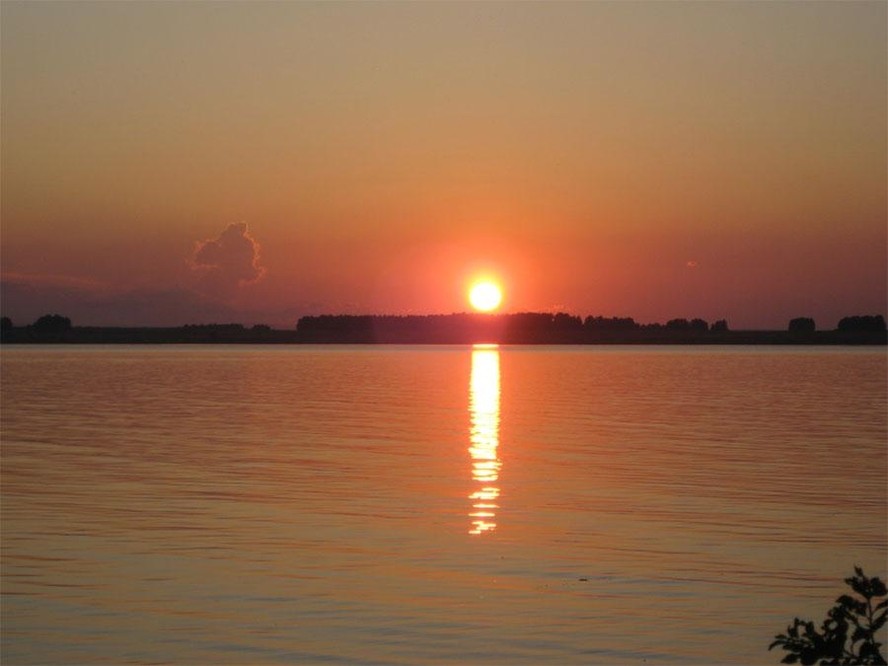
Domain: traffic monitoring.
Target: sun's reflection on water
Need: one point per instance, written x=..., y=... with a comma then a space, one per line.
x=484, y=413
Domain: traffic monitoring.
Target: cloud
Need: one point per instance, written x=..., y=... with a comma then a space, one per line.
x=53, y=280
x=228, y=261
x=692, y=264
x=86, y=303
x=159, y=307
x=25, y=297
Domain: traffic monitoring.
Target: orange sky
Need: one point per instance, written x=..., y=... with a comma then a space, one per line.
x=653, y=160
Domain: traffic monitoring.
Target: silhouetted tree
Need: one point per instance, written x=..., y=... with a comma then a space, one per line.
x=831, y=644
x=569, y=322
x=699, y=325
x=610, y=324
x=802, y=325
x=678, y=324
x=862, y=323
x=5, y=323
x=215, y=327
x=52, y=323
x=719, y=326
x=261, y=328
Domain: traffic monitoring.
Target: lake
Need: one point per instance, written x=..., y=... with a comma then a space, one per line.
x=402, y=505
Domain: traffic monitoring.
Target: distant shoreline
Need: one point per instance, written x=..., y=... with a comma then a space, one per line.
x=523, y=328
x=226, y=334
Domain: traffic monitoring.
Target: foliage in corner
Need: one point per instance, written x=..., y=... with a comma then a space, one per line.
x=832, y=644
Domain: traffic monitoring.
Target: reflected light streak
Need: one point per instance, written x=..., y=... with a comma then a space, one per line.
x=484, y=414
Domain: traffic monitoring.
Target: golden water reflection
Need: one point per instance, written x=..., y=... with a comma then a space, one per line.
x=484, y=414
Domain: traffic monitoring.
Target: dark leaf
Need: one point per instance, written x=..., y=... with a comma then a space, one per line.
x=859, y=634
x=859, y=586
x=858, y=607
x=790, y=659
x=808, y=657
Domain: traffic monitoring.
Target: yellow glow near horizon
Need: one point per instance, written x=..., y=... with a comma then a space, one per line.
x=485, y=296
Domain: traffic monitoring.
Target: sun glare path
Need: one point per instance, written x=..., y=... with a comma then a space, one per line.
x=484, y=411
x=485, y=296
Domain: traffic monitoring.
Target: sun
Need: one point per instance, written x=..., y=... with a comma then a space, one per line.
x=485, y=296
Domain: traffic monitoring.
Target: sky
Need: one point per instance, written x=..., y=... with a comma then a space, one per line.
x=166, y=163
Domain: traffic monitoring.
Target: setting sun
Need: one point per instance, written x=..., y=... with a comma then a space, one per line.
x=485, y=296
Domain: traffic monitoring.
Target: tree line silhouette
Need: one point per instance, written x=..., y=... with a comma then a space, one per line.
x=522, y=327
x=459, y=328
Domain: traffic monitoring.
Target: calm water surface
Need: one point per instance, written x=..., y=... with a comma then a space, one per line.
x=251, y=505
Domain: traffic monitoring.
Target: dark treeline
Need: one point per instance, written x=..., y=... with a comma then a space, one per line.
x=563, y=328
x=461, y=328
x=62, y=332
x=866, y=323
